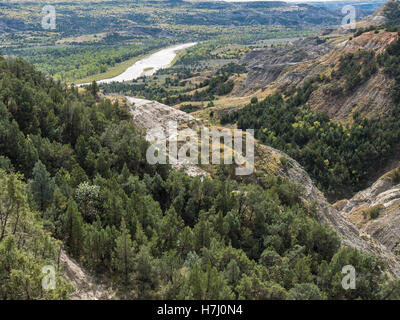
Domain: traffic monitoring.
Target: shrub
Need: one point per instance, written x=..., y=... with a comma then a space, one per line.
x=396, y=176
x=374, y=212
x=284, y=161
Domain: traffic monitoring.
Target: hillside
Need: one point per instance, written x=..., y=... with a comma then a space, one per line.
x=151, y=232
x=26, y=247
x=347, y=88
x=330, y=102
x=366, y=89
x=339, y=96
x=269, y=164
x=375, y=210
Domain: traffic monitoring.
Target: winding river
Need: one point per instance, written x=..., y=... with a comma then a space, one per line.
x=149, y=65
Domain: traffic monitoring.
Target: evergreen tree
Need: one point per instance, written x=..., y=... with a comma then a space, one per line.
x=42, y=186
x=146, y=274
x=94, y=88
x=74, y=229
x=123, y=254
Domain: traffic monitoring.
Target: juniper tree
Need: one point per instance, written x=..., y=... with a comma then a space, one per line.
x=42, y=186
x=122, y=259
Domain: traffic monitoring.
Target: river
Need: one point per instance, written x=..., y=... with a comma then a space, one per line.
x=149, y=65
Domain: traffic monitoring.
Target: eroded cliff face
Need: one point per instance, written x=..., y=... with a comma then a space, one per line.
x=269, y=65
x=155, y=118
x=376, y=211
x=86, y=286
x=372, y=98
x=292, y=65
x=379, y=17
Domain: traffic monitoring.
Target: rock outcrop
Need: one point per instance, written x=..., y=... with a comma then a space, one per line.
x=86, y=287
x=155, y=119
x=379, y=17
x=376, y=211
x=273, y=63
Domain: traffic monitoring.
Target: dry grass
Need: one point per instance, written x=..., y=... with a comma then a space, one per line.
x=362, y=215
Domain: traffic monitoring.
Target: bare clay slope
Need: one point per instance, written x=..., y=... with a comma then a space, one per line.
x=376, y=211
x=291, y=65
x=86, y=286
x=279, y=69
x=267, y=66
